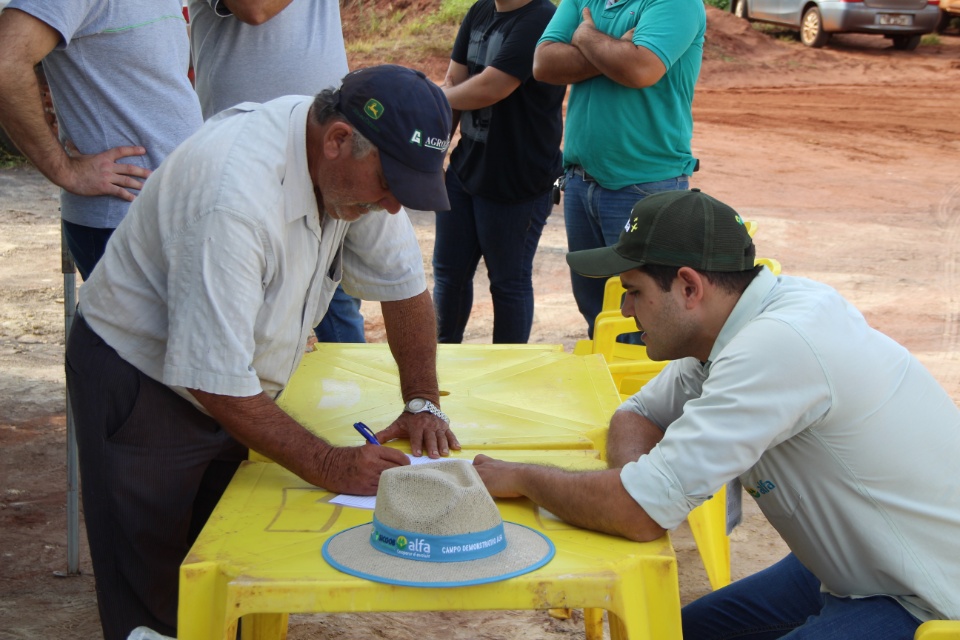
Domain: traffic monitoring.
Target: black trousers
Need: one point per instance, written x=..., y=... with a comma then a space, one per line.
x=152, y=468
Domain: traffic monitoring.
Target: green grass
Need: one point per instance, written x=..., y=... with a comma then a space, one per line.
x=9, y=160
x=451, y=11
x=424, y=35
x=719, y=4
x=931, y=39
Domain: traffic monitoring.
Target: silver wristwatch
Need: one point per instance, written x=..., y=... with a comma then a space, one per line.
x=419, y=405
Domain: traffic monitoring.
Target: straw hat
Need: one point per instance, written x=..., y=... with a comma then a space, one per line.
x=435, y=525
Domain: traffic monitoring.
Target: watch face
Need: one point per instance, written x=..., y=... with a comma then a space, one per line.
x=417, y=404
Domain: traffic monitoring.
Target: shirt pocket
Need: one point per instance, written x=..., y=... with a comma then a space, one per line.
x=329, y=283
x=778, y=501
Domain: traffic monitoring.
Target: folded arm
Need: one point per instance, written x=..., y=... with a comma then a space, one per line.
x=617, y=58
x=561, y=63
x=488, y=87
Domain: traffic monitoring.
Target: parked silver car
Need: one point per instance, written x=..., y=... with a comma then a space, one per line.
x=903, y=21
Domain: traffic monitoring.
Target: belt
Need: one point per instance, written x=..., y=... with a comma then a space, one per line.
x=580, y=171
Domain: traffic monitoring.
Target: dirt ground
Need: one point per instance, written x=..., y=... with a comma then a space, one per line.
x=847, y=157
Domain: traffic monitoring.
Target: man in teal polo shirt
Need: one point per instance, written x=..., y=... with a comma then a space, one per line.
x=632, y=65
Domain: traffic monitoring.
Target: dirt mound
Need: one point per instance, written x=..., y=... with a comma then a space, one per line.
x=736, y=52
x=730, y=38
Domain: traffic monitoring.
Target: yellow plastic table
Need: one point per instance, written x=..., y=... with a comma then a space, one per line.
x=259, y=558
x=497, y=396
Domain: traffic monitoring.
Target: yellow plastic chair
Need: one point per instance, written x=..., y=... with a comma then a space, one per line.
x=770, y=263
x=938, y=630
x=708, y=523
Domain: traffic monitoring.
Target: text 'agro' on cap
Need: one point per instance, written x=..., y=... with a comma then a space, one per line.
x=408, y=119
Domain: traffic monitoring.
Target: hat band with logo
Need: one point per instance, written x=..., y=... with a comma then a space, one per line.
x=436, y=525
x=420, y=546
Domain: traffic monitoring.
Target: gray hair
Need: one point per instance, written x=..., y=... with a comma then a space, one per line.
x=326, y=109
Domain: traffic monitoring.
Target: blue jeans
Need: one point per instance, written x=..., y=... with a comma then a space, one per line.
x=86, y=245
x=343, y=321
x=784, y=601
x=506, y=236
x=594, y=217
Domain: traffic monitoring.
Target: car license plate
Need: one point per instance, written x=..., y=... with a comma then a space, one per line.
x=895, y=19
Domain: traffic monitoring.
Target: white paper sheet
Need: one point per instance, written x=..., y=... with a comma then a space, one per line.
x=370, y=502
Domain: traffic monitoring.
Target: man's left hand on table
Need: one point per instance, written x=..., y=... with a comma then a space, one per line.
x=427, y=433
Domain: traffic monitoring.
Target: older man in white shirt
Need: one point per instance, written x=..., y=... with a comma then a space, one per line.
x=200, y=310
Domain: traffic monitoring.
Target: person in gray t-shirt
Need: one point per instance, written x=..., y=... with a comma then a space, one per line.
x=118, y=77
x=258, y=51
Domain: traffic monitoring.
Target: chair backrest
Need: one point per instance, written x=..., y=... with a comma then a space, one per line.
x=769, y=263
x=612, y=294
x=938, y=630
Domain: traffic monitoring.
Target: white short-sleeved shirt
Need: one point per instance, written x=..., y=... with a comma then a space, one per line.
x=223, y=265
x=847, y=443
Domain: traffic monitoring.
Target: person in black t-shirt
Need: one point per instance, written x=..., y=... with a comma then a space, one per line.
x=501, y=173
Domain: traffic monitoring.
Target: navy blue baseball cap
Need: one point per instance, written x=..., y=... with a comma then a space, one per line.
x=408, y=119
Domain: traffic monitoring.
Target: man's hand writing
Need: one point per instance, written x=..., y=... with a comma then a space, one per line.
x=427, y=433
x=356, y=470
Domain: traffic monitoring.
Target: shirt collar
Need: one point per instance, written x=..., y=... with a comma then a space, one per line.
x=297, y=181
x=747, y=308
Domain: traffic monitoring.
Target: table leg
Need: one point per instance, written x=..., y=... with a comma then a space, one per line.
x=593, y=624
x=645, y=605
x=264, y=626
x=200, y=612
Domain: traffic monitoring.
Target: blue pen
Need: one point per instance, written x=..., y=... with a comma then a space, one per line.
x=366, y=432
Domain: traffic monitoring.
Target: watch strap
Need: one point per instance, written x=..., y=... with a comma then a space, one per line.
x=429, y=407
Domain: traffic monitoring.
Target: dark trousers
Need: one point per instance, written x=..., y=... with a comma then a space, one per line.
x=86, y=245
x=152, y=468
x=785, y=601
x=506, y=237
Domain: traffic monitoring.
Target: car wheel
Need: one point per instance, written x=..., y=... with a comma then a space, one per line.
x=906, y=43
x=740, y=9
x=811, y=29
x=944, y=23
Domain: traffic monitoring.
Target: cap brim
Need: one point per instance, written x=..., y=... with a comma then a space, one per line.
x=350, y=552
x=600, y=263
x=415, y=189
